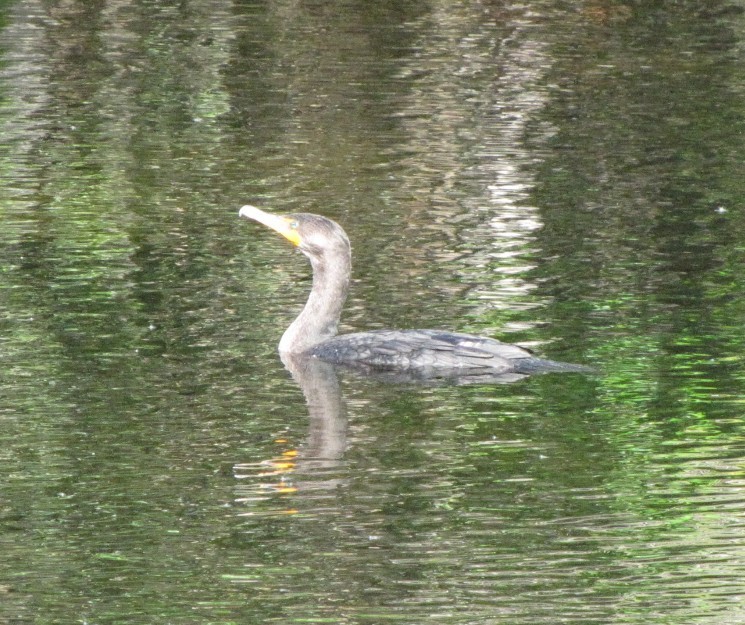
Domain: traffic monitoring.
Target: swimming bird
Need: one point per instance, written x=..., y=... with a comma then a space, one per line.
x=426, y=352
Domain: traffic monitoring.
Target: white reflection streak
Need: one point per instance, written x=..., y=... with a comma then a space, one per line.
x=514, y=219
x=513, y=181
x=24, y=76
x=477, y=88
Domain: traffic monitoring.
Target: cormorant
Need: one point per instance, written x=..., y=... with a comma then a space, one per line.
x=428, y=353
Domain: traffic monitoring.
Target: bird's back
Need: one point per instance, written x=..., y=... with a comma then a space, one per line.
x=432, y=350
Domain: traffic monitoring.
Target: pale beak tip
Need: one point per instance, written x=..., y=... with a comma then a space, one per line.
x=248, y=211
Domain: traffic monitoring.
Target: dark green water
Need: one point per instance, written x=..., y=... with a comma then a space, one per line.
x=563, y=175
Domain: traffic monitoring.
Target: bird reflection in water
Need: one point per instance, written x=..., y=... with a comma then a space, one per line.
x=316, y=465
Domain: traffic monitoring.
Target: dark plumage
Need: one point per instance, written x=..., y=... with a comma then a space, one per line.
x=432, y=350
x=430, y=353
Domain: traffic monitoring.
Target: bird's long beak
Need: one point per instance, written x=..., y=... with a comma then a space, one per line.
x=286, y=226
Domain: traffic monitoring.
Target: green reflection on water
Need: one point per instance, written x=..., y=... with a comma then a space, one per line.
x=565, y=181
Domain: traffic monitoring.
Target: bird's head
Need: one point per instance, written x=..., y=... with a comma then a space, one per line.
x=314, y=235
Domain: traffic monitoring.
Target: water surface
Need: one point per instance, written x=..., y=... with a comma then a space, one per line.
x=559, y=175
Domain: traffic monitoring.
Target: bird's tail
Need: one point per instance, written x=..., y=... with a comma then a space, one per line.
x=541, y=365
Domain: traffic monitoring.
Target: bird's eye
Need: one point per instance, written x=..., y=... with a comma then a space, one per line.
x=294, y=224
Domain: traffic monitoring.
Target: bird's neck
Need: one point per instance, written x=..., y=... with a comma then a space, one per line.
x=319, y=320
